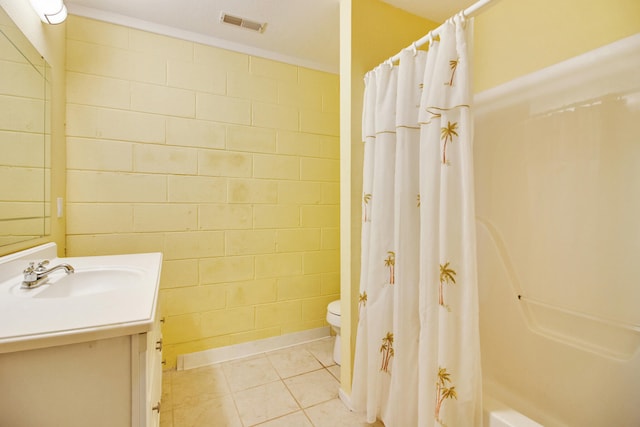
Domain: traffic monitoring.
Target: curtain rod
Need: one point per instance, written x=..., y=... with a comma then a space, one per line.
x=469, y=12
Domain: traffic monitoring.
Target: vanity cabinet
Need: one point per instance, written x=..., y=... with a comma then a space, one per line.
x=109, y=382
x=83, y=349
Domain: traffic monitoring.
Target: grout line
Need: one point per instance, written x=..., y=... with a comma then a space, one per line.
x=301, y=346
x=231, y=393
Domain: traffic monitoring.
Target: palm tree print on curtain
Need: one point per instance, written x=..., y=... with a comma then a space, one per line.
x=448, y=276
x=366, y=198
x=443, y=392
x=387, y=351
x=362, y=301
x=453, y=64
x=390, y=262
x=446, y=134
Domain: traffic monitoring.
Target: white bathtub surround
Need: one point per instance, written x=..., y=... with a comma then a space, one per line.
x=497, y=414
x=417, y=358
x=556, y=161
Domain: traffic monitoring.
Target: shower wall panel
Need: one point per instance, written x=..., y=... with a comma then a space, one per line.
x=557, y=157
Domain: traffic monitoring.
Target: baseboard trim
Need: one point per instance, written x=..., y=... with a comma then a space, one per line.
x=237, y=351
x=346, y=399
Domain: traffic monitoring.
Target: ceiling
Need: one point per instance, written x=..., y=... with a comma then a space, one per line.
x=301, y=32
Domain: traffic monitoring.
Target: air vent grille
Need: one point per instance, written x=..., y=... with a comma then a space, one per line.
x=242, y=22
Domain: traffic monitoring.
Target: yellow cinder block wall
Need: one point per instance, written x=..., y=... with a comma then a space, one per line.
x=227, y=163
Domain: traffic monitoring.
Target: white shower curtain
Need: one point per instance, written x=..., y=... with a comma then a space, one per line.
x=417, y=360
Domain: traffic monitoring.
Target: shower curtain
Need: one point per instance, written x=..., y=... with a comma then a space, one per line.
x=417, y=358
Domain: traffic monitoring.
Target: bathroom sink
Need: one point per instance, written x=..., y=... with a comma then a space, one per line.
x=106, y=296
x=89, y=282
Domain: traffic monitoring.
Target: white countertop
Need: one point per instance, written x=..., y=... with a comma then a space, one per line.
x=28, y=323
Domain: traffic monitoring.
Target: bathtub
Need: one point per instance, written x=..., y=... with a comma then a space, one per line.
x=494, y=413
x=498, y=414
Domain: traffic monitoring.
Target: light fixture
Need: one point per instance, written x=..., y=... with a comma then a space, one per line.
x=50, y=11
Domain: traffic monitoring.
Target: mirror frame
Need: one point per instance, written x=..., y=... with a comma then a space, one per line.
x=50, y=42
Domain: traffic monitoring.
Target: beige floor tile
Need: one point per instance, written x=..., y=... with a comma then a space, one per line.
x=219, y=412
x=322, y=350
x=297, y=419
x=312, y=388
x=268, y=390
x=249, y=372
x=166, y=397
x=293, y=361
x=166, y=378
x=265, y=402
x=197, y=385
x=335, y=371
x=334, y=414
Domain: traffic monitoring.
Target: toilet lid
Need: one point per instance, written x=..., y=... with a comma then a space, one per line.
x=334, y=307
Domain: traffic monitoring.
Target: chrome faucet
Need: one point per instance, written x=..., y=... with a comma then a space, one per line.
x=35, y=276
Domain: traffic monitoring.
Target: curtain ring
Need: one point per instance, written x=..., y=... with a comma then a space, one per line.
x=463, y=18
x=430, y=38
x=414, y=48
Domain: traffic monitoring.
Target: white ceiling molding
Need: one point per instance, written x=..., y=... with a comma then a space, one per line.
x=153, y=27
x=300, y=32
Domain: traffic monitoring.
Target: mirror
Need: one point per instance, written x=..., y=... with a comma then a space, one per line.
x=25, y=94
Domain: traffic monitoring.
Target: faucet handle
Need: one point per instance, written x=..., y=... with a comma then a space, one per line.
x=41, y=265
x=30, y=274
x=30, y=268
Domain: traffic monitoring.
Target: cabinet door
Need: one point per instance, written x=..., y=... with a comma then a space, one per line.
x=76, y=385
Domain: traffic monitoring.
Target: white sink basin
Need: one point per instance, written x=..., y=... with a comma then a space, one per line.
x=106, y=296
x=84, y=282
x=88, y=282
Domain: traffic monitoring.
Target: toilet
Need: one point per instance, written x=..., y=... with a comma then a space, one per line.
x=333, y=318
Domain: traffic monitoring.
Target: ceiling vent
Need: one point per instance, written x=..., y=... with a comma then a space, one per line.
x=242, y=22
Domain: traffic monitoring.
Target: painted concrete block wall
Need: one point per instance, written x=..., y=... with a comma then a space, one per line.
x=226, y=163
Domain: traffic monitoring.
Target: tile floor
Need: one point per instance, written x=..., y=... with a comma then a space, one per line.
x=296, y=387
